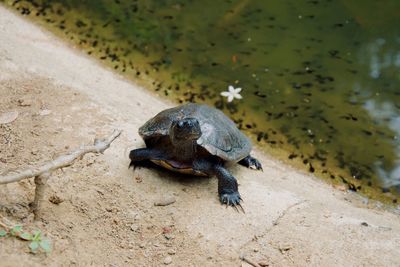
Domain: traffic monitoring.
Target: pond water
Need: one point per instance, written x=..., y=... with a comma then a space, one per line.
x=320, y=79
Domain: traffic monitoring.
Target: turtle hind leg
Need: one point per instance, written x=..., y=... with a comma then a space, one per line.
x=143, y=163
x=142, y=156
x=251, y=162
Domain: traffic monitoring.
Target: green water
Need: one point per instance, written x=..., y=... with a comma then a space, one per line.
x=319, y=79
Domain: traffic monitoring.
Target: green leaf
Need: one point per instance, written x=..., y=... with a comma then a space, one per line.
x=26, y=236
x=3, y=233
x=16, y=230
x=46, y=245
x=37, y=235
x=34, y=246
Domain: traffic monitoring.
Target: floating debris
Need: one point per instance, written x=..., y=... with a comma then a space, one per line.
x=232, y=93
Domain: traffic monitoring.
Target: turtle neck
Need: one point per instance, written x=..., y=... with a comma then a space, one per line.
x=185, y=150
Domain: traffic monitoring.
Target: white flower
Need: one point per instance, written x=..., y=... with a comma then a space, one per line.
x=232, y=93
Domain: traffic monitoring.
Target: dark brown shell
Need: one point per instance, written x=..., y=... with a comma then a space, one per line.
x=220, y=136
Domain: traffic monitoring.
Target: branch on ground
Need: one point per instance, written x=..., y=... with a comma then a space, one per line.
x=42, y=173
x=99, y=146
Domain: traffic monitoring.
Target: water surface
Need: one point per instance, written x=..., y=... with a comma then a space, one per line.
x=319, y=79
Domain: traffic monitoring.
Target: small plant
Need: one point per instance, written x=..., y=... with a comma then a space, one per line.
x=37, y=241
x=3, y=233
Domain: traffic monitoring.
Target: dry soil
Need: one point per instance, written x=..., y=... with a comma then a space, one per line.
x=99, y=213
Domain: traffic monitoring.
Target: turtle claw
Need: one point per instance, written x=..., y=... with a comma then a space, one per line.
x=131, y=165
x=256, y=164
x=232, y=199
x=236, y=208
x=241, y=208
x=251, y=163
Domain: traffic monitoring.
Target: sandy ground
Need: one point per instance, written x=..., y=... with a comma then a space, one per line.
x=107, y=215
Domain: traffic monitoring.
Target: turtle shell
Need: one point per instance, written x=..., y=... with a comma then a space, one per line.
x=220, y=136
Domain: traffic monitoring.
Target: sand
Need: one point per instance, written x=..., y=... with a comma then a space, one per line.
x=106, y=215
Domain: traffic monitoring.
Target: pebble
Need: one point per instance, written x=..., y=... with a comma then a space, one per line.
x=8, y=117
x=134, y=227
x=171, y=252
x=165, y=201
x=167, y=260
x=55, y=199
x=44, y=112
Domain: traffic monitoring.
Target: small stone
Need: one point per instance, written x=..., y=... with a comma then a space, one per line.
x=44, y=112
x=165, y=201
x=166, y=230
x=55, y=199
x=364, y=224
x=171, y=252
x=255, y=249
x=167, y=260
x=8, y=117
x=134, y=227
x=142, y=245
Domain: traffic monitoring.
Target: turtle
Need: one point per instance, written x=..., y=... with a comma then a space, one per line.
x=199, y=140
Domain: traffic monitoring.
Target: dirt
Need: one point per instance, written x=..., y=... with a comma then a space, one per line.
x=98, y=212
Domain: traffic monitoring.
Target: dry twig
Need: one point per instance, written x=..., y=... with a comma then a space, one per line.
x=42, y=173
x=40, y=182
x=60, y=162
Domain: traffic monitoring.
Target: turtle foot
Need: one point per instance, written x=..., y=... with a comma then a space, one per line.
x=251, y=163
x=255, y=164
x=231, y=199
x=132, y=164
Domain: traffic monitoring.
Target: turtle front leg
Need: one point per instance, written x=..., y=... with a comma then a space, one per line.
x=251, y=163
x=227, y=184
x=227, y=187
x=142, y=155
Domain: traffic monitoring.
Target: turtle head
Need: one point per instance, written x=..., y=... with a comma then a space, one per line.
x=187, y=129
